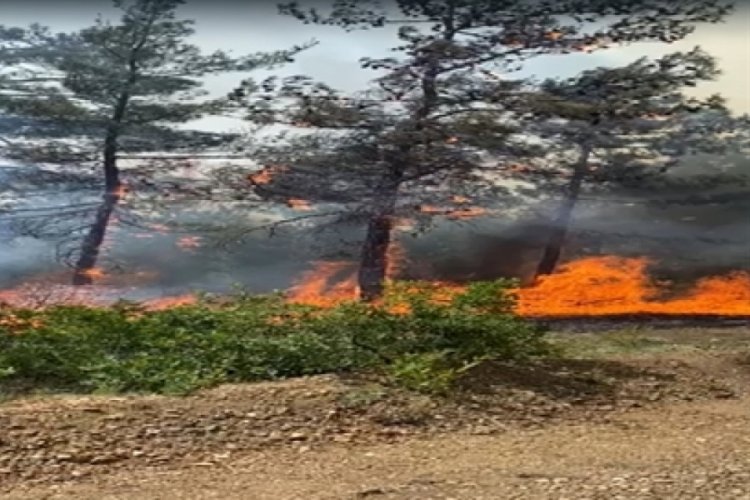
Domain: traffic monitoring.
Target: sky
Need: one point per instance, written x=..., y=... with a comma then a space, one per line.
x=249, y=26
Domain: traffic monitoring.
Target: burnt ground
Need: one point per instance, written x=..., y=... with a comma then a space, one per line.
x=627, y=414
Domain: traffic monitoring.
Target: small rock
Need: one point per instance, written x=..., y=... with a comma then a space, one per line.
x=297, y=436
x=481, y=430
x=104, y=459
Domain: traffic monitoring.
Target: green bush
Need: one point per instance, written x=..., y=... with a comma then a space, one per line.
x=126, y=349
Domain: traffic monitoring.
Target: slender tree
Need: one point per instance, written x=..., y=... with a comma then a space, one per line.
x=437, y=108
x=111, y=86
x=623, y=127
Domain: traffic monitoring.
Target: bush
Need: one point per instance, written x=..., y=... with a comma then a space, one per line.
x=422, y=343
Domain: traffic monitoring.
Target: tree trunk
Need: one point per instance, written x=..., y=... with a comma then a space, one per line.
x=561, y=224
x=374, y=258
x=111, y=172
x=92, y=243
x=374, y=254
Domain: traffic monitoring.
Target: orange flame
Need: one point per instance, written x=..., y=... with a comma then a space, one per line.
x=614, y=286
x=189, y=242
x=299, y=204
x=595, y=286
x=41, y=294
x=265, y=175
x=95, y=273
x=159, y=228
x=170, y=302
x=453, y=213
x=466, y=213
x=329, y=283
x=17, y=325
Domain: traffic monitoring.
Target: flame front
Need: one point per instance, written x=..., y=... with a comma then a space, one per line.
x=164, y=303
x=595, y=286
x=618, y=286
x=610, y=285
x=454, y=213
x=266, y=174
x=328, y=283
x=588, y=287
x=299, y=204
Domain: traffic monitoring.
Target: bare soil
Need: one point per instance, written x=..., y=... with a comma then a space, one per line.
x=645, y=414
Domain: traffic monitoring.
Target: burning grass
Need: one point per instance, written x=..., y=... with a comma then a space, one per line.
x=606, y=286
x=590, y=287
x=594, y=287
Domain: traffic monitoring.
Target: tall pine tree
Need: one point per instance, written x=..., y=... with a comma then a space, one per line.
x=110, y=85
x=437, y=107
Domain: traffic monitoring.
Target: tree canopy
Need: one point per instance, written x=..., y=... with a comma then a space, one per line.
x=115, y=85
x=442, y=121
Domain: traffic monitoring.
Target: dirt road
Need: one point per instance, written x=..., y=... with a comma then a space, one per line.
x=684, y=451
x=669, y=426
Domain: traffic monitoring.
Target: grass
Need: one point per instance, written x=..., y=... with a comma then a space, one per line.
x=248, y=338
x=646, y=342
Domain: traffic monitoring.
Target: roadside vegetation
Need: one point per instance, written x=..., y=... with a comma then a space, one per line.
x=410, y=339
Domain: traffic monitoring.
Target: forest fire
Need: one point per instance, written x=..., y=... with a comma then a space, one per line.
x=265, y=175
x=39, y=295
x=453, y=213
x=605, y=286
x=164, y=303
x=95, y=273
x=299, y=204
x=596, y=286
x=329, y=283
x=600, y=286
x=189, y=242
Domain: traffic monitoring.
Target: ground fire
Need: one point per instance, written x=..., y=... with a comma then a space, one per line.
x=594, y=286
x=617, y=286
x=265, y=175
x=586, y=287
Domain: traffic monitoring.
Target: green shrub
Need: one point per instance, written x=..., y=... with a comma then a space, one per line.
x=126, y=349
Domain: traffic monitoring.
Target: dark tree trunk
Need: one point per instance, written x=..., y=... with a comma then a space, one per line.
x=92, y=243
x=373, y=263
x=561, y=224
x=111, y=172
x=374, y=257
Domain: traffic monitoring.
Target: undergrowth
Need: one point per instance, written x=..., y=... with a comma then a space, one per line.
x=418, y=342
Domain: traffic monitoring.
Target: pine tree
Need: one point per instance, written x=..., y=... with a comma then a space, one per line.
x=437, y=110
x=112, y=85
x=622, y=127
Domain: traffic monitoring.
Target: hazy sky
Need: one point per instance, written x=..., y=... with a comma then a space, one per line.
x=249, y=26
